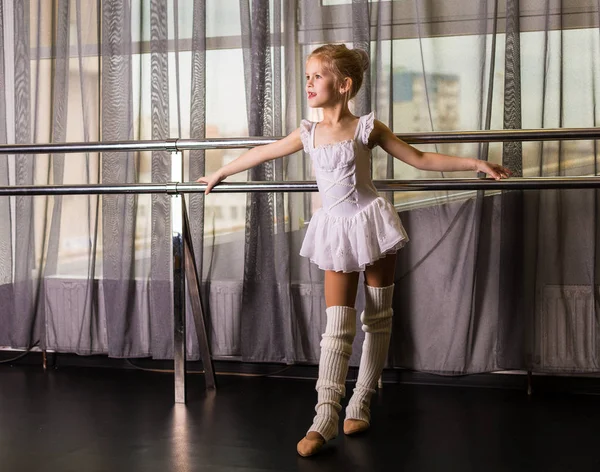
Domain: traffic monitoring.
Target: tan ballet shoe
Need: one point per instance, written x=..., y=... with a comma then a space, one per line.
x=309, y=445
x=354, y=426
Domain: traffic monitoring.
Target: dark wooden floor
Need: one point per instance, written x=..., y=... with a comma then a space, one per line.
x=94, y=419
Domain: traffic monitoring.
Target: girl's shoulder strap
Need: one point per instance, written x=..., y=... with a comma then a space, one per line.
x=305, y=134
x=366, y=124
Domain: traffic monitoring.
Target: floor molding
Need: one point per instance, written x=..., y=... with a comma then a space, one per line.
x=584, y=384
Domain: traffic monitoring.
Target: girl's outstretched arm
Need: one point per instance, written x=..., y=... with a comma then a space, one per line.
x=383, y=136
x=257, y=155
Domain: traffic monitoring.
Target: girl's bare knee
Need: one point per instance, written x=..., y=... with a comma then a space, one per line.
x=381, y=273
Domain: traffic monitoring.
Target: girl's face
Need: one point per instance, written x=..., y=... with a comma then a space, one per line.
x=320, y=88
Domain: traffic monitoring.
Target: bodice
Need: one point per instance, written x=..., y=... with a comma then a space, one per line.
x=343, y=169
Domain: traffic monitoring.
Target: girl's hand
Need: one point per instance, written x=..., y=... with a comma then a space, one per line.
x=493, y=170
x=211, y=181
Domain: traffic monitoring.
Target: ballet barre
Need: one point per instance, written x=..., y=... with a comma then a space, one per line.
x=177, y=188
x=180, y=144
x=183, y=259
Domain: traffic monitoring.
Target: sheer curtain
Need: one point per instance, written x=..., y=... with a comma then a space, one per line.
x=489, y=281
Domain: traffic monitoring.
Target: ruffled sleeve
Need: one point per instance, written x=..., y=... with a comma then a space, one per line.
x=305, y=128
x=368, y=123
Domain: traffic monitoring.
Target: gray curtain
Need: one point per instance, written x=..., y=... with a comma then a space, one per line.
x=489, y=281
x=265, y=330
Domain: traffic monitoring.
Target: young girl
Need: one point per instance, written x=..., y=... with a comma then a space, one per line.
x=354, y=231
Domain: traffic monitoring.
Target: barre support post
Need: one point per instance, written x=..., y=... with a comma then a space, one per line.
x=193, y=284
x=179, y=341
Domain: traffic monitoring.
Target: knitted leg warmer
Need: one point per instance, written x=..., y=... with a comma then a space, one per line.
x=336, y=348
x=377, y=325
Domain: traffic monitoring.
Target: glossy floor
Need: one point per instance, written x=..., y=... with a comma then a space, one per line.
x=94, y=419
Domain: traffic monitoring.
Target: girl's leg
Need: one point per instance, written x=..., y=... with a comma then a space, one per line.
x=336, y=348
x=382, y=272
x=340, y=288
x=377, y=325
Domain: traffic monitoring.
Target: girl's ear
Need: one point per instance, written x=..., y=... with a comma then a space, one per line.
x=346, y=85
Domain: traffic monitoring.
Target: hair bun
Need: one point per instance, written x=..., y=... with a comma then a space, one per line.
x=364, y=58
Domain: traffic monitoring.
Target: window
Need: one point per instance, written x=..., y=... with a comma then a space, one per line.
x=434, y=87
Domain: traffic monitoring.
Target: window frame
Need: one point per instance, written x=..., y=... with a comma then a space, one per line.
x=453, y=18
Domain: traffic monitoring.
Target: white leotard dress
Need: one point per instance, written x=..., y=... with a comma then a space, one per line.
x=355, y=226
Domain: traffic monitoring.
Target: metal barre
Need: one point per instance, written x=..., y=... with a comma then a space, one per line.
x=177, y=144
x=176, y=188
x=180, y=230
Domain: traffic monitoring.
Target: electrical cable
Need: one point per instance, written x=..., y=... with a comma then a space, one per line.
x=23, y=354
x=240, y=374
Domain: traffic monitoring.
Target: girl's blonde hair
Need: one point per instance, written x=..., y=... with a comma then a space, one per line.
x=342, y=63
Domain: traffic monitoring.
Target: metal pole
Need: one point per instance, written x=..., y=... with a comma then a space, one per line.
x=485, y=136
x=179, y=344
x=193, y=281
x=105, y=146
x=175, y=144
x=86, y=189
x=174, y=188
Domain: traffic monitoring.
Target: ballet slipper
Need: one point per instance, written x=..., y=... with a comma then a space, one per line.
x=309, y=445
x=352, y=426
